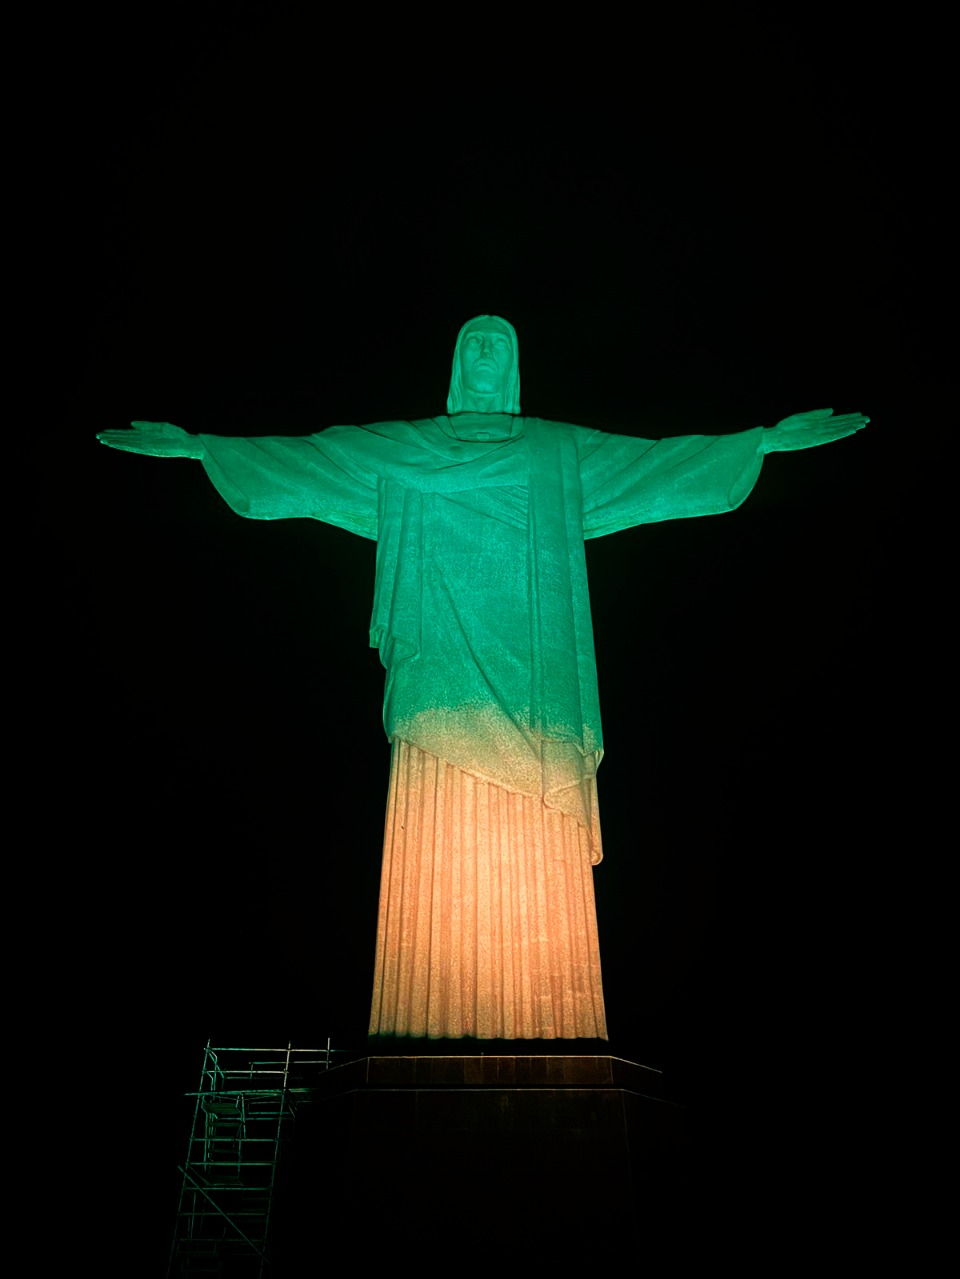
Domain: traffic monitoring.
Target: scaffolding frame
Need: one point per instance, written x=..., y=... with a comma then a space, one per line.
x=241, y=1114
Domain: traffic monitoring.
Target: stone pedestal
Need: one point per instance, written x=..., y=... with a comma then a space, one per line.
x=481, y=1160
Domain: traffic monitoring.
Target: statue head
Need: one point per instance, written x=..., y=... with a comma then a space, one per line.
x=486, y=368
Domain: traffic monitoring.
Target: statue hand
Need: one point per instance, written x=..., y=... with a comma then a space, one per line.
x=807, y=430
x=156, y=439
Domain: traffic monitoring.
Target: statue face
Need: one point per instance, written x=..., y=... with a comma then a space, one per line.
x=486, y=376
x=486, y=357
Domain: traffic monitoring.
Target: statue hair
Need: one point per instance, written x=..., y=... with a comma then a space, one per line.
x=512, y=392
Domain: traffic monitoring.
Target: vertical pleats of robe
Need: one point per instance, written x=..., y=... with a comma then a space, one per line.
x=487, y=923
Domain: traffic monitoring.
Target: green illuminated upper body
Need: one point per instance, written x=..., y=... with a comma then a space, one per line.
x=481, y=610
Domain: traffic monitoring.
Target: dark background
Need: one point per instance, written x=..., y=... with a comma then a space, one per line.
x=280, y=226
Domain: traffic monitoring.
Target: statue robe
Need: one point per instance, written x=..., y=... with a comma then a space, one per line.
x=481, y=614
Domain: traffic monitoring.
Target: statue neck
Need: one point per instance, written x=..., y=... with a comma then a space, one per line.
x=481, y=426
x=481, y=402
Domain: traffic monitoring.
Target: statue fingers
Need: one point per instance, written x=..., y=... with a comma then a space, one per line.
x=829, y=418
x=125, y=440
x=835, y=427
x=153, y=428
x=848, y=424
x=827, y=436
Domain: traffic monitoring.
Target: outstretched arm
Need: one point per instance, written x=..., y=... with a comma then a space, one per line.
x=807, y=430
x=627, y=481
x=273, y=477
x=155, y=439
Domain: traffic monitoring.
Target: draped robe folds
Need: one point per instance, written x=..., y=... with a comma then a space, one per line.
x=481, y=614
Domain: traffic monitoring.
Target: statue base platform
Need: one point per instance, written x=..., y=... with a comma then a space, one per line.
x=480, y=1160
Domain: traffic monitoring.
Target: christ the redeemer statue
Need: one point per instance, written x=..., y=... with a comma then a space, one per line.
x=487, y=925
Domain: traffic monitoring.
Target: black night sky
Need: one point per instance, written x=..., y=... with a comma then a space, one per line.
x=278, y=228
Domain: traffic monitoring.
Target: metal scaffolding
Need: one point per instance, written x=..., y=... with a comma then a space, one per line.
x=241, y=1113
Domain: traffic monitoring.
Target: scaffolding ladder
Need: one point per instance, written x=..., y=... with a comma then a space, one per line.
x=240, y=1115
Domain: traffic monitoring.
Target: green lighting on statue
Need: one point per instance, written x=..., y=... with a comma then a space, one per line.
x=481, y=614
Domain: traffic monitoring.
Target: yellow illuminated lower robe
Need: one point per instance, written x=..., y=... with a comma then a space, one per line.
x=487, y=924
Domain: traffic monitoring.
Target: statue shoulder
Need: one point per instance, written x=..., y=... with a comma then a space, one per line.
x=578, y=436
x=368, y=434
